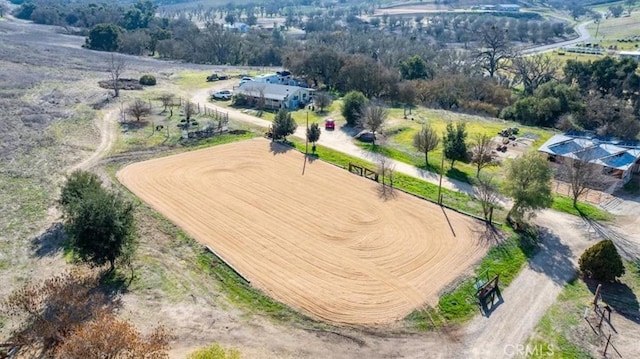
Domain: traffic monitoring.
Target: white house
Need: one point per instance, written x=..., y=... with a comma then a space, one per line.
x=276, y=96
x=617, y=159
x=280, y=78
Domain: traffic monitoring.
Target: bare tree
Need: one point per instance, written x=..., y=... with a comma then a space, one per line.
x=481, y=154
x=139, y=109
x=373, y=118
x=581, y=175
x=322, y=100
x=167, y=101
x=407, y=94
x=532, y=71
x=386, y=172
x=117, y=66
x=486, y=192
x=494, y=49
x=426, y=140
x=189, y=110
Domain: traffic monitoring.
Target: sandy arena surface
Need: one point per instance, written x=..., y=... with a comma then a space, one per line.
x=324, y=242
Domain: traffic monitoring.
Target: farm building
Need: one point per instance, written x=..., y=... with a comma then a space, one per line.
x=276, y=96
x=618, y=159
x=635, y=55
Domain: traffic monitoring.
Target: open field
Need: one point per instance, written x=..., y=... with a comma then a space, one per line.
x=324, y=241
x=617, y=28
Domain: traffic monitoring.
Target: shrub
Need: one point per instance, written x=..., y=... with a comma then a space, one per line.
x=602, y=261
x=215, y=351
x=148, y=80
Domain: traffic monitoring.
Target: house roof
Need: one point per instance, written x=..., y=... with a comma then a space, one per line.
x=605, y=152
x=271, y=91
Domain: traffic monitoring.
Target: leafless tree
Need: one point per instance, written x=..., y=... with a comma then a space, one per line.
x=532, y=71
x=373, y=118
x=322, y=100
x=581, y=175
x=117, y=66
x=494, y=48
x=167, y=101
x=190, y=109
x=139, y=109
x=407, y=94
x=386, y=172
x=481, y=154
x=426, y=140
x=486, y=192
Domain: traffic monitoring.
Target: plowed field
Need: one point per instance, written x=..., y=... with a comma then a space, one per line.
x=324, y=242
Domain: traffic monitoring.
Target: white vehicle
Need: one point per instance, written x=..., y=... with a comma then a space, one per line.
x=222, y=95
x=245, y=80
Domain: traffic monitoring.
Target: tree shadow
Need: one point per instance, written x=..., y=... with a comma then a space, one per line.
x=456, y=174
x=50, y=242
x=554, y=258
x=490, y=235
x=278, y=147
x=628, y=249
x=134, y=125
x=619, y=297
x=386, y=192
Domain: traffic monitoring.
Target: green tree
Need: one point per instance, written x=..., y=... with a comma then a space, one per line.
x=100, y=223
x=313, y=135
x=352, y=105
x=426, y=140
x=528, y=182
x=414, y=68
x=455, y=145
x=104, y=37
x=283, y=124
x=602, y=261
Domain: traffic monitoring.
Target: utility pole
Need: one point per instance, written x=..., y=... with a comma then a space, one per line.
x=440, y=184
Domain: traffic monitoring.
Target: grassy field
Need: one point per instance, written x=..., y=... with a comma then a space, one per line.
x=563, y=327
x=616, y=28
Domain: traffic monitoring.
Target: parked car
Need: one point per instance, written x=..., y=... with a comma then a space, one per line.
x=365, y=136
x=216, y=76
x=245, y=80
x=329, y=124
x=222, y=95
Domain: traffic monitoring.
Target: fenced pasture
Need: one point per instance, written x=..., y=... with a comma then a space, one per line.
x=322, y=242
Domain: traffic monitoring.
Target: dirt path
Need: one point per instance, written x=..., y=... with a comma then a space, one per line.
x=106, y=123
x=536, y=288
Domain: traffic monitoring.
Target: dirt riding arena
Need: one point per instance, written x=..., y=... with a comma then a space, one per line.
x=323, y=242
